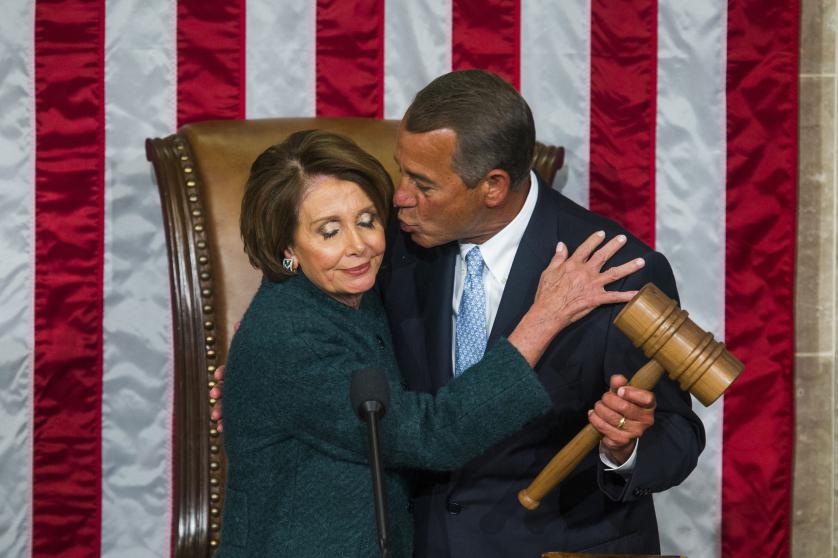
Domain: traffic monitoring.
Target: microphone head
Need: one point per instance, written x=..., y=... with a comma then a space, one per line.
x=369, y=384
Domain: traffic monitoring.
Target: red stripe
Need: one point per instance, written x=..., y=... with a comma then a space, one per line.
x=350, y=58
x=211, y=60
x=486, y=34
x=69, y=232
x=758, y=431
x=623, y=104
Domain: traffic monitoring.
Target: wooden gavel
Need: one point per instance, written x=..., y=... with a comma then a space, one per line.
x=687, y=353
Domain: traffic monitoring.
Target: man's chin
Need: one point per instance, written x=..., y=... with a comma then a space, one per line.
x=423, y=240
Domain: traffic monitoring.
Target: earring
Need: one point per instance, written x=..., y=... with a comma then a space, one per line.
x=289, y=265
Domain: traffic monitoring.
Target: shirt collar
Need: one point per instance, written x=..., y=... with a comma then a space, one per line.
x=499, y=251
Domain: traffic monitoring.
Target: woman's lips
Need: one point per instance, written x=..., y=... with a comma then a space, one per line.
x=358, y=270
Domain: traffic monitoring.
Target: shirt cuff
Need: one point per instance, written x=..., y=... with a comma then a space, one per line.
x=626, y=468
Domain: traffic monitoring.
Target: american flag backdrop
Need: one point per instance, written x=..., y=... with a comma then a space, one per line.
x=679, y=118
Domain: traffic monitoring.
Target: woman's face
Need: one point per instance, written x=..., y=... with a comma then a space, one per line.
x=339, y=240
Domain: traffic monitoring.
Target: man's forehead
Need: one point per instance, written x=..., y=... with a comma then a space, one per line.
x=435, y=143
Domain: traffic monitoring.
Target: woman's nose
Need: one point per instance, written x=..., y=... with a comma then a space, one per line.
x=355, y=242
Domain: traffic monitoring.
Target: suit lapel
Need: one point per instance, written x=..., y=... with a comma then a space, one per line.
x=438, y=315
x=534, y=253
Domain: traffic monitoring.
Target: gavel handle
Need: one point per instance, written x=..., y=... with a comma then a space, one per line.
x=569, y=457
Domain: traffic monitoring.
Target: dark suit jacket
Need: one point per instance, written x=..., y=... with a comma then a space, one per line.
x=475, y=511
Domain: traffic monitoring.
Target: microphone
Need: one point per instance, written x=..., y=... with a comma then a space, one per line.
x=370, y=397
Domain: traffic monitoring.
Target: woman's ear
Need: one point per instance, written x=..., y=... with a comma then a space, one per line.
x=289, y=253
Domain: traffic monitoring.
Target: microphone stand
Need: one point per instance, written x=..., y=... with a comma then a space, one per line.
x=371, y=410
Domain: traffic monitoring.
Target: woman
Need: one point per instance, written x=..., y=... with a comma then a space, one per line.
x=298, y=485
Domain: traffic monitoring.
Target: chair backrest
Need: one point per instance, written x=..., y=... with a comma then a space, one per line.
x=201, y=172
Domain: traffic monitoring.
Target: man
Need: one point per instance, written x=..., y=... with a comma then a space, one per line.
x=464, y=150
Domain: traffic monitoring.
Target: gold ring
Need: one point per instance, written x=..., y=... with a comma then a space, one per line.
x=622, y=423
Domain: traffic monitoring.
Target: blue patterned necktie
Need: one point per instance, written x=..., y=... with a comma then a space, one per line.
x=471, y=320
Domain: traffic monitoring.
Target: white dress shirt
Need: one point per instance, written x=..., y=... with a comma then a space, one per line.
x=498, y=254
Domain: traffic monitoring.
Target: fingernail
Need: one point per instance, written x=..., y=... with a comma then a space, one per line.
x=621, y=238
x=621, y=391
x=590, y=412
x=600, y=233
x=639, y=262
x=560, y=246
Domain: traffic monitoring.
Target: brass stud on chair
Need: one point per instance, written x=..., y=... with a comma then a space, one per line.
x=184, y=158
x=210, y=353
x=210, y=340
x=196, y=212
x=193, y=198
x=214, y=526
x=211, y=368
x=214, y=448
x=203, y=260
x=213, y=432
x=208, y=325
x=207, y=309
x=211, y=384
x=204, y=276
x=214, y=481
x=215, y=511
x=214, y=465
x=191, y=183
x=201, y=244
x=198, y=227
x=213, y=543
x=212, y=401
x=214, y=497
x=187, y=170
x=206, y=293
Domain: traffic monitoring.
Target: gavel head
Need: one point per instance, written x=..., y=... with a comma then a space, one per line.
x=690, y=355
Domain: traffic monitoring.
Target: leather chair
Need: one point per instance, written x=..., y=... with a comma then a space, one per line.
x=201, y=172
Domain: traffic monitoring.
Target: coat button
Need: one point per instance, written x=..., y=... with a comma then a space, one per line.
x=379, y=341
x=454, y=508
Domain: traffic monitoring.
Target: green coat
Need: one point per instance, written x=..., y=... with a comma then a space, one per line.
x=298, y=483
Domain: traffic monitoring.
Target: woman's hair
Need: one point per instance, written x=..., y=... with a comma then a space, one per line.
x=278, y=180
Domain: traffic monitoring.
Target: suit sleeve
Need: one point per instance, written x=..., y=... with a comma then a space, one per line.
x=668, y=451
x=490, y=401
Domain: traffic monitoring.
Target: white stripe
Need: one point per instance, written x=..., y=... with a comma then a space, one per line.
x=17, y=234
x=140, y=56
x=555, y=80
x=690, y=189
x=280, y=58
x=417, y=48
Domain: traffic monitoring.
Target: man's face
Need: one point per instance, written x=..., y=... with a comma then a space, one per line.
x=434, y=205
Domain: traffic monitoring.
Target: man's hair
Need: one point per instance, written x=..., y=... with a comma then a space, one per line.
x=278, y=180
x=493, y=123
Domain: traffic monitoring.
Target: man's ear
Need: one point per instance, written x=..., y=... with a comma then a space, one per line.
x=495, y=185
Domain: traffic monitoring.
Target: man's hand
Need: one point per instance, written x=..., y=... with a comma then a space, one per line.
x=215, y=393
x=622, y=416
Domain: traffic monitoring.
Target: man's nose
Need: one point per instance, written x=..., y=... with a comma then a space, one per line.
x=403, y=197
